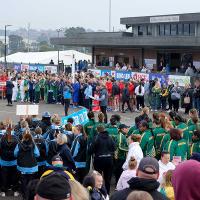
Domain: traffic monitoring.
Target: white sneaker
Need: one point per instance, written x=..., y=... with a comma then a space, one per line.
x=2, y=194
x=16, y=194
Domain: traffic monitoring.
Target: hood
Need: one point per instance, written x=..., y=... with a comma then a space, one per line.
x=104, y=135
x=27, y=145
x=143, y=184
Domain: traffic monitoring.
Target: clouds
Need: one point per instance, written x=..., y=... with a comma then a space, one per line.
x=43, y=14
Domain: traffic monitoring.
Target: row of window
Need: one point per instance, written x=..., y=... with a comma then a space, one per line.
x=177, y=29
x=168, y=29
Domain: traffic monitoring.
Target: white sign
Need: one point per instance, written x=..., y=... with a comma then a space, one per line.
x=161, y=19
x=27, y=109
x=182, y=80
x=196, y=64
x=149, y=63
x=52, y=69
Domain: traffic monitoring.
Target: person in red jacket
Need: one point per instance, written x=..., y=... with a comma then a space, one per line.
x=131, y=89
x=109, y=86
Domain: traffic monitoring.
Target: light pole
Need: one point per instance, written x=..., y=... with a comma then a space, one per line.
x=58, y=31
x=5, y=53
x=110, y=13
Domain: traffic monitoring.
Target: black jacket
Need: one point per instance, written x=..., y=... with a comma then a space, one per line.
x=7, y=148
x=102, y=144
x=125, y=94
x=41, y=145
x=9, y=87
x=115, y=89
x=147, y=185
x=26, y=157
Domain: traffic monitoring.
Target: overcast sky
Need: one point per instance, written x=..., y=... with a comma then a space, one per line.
x=44, y=14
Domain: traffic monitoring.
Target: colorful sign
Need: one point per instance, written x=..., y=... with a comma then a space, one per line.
x=139, y=76
x=79, y=117
x=125, y=75
x=182, y=80
x=163, y=79
x=24, y=67
x=17, y=67
x=40, y=68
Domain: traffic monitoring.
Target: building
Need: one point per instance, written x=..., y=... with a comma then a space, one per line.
x=157, y=41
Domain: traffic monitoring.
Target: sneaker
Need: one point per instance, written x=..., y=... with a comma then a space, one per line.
x=16, y=194
x=2, y=194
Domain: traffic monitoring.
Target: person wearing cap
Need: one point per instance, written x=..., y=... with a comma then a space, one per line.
x=57, y=167
x=122, y=149
x=45, y=123
x=103, y=148
x=146, y=180
x=55, y=186
x=134, y=150
x=147, y=139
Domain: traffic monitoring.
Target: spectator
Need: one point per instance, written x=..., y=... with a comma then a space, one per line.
x=146, y=180
x=127, y=174
x=139, y=91
x=9, y=92
x=176, y=96
x=185, y=180
x=139, y=195
x=126, y=98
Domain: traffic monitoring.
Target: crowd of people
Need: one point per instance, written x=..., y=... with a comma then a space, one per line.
x=156, y=158
x=51, y=88
x=41, y=158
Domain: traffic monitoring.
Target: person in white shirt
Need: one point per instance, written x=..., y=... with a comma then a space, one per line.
x=134, y=150
x=164, y=165
x=139, y=91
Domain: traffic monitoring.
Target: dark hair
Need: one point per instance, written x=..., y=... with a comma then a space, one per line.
x=81, y=129
x=68, y=127
x=172, y=114
x=70, y=120
x=101, y=117
x=197, y=133
x=117, y=117
x=164, y=153
x=31, y=189
x=179, y=118
x=90, y=115
x=113, y=121
x=156, y=118
x=175, y=134
x=144, y=123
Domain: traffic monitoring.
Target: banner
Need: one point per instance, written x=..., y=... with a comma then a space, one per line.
x=17, y=67
x=96, y=72
x=51, y=68
x=182, y=80
x=40, y=68
x=125, y=75
x=150, y=63
x=79, y=117
x=163, y=79
x=139, y=76
x=24, y=67
x=105, y=72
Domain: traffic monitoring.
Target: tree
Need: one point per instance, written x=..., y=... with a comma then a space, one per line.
x=16, y=43
x=73, y=31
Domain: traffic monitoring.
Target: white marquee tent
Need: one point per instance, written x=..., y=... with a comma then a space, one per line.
x=46, y=57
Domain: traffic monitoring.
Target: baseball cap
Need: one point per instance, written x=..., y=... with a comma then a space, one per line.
x=54, y=186
x=57, y=158
x=46, y=114
x=149, y=165
x=121, y=126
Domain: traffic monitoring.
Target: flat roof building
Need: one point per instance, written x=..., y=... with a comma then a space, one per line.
x=164, y=39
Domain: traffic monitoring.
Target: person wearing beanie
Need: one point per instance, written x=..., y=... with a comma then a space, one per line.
x=185, y=180
x=146, y=180
x=54, y=187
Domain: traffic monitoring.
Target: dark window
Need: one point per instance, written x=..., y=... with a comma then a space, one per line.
x=192, y=29
x=161, y=29
x=149, y=30
x=186, y=29
x=140, y=30
x=173, y=29
x=180, y=29
x=167, y=29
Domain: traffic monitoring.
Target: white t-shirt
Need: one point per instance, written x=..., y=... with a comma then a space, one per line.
x=137, y=91
x=164, y=168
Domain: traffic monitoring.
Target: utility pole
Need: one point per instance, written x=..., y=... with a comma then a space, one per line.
x=28, y=32
x=58, y=31
x=5, y=53
x=110, y=14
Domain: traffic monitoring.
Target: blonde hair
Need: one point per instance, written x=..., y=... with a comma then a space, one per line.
x=139, y=195
x=61, y=138
x=132, y=163
x=145, y=110
x=78, y=192
x=168, y=178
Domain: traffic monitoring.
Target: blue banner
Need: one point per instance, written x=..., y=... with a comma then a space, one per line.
x=122, y=75
x=40, y=68
x=79, y=117
x=105, y=72
x=161, y=77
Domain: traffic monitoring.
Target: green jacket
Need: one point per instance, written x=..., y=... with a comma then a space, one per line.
x=158, y=133
x=113, y=132
x=195, y=148
x=37, y=87
x=147, y=144
x=191, y=130
x=93, y=131
x=88, y=126
x=164, y=141
x=42, y=83
x=131, y=130
x=177, y=148
x=122, y=146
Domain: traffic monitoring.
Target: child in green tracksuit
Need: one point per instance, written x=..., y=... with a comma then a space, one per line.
x=147, y=140
x=37, y=91
x=177, y=146
x=195, y=148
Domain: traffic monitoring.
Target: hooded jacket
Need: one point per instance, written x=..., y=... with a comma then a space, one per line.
x=147, y=185
x=103, y=144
